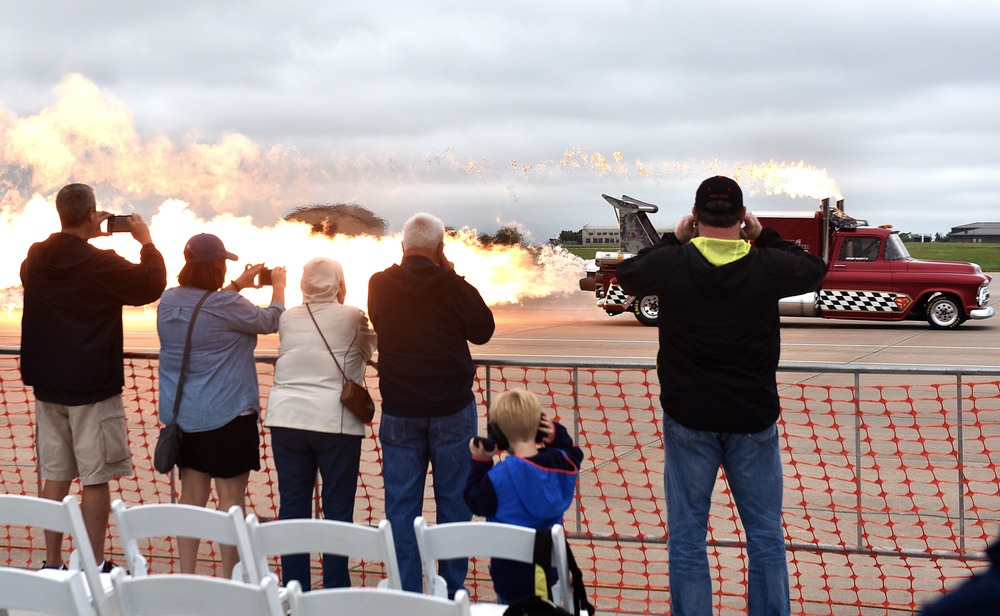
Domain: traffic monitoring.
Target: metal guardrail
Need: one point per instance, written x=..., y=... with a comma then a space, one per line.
x=958, y=372
x=962, y=375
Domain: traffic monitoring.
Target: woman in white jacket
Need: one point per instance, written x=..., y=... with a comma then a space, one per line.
x=310, y=429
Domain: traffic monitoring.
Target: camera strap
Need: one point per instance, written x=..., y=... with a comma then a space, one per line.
x=187, y=354
x=342, y=373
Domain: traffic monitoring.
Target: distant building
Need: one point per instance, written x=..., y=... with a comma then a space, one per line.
x=590, y=236
x=598, y=235
x=976, y=233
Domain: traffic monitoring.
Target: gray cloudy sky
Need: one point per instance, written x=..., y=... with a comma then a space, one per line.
x=488, y=113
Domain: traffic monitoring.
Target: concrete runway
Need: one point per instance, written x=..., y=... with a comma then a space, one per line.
x=572, y=326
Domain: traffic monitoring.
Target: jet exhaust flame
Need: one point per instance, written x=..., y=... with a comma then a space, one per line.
x=503, y=274
x=235, y=188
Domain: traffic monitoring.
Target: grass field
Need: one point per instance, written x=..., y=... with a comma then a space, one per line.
x=986, y=255
x=587, y=252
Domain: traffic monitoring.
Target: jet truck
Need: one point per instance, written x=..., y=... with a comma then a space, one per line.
x=870, y=274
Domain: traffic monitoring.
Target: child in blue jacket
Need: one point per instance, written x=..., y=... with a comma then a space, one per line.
x=532, y=487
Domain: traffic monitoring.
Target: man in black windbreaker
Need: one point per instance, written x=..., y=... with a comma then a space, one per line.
x=71, y=354
x=719, y=348
x=425, y=316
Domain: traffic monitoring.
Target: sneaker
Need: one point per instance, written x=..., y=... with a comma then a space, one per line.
x=108, y=566
x=61, y=567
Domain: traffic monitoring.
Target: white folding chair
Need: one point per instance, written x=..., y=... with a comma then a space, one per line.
x=176, y=520
x=314, y=536
x=62, y=517
x=373, y=601
x=26, y=590
x=182, y=594
x=492, y=539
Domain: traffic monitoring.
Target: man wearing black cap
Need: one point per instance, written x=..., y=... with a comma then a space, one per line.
x=719, y=348
x=71, y=354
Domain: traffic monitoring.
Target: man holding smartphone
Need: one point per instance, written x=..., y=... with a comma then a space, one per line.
x=71, y=355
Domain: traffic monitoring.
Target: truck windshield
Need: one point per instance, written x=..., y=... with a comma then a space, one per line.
x=895, y=249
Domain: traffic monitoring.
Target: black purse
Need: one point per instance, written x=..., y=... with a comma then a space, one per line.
x=353, y=395
x=168, y=448
x=168, y=443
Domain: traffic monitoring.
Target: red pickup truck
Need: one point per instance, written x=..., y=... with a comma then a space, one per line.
x=870, y=273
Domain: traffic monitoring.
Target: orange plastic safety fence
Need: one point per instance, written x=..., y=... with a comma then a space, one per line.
x=891, y=489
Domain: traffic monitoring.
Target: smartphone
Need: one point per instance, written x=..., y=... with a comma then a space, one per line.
x=264, y=278
x=120, y=224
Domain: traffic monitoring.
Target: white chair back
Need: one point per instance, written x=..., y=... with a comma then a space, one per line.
x=176, y=520
x=313, y=536
x=61, y=517
x=487, y=539
x=373, y=601
x=26, y=590
x=182, y=594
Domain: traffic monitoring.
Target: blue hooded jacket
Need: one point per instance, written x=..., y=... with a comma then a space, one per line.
x=534, y=492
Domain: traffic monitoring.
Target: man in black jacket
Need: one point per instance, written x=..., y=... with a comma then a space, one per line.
x=71, y=354
x=425, y=316
x=719, y=348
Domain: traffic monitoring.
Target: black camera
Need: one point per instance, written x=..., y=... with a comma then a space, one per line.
x=263, y=278
x=120, y=224
x=495, y=434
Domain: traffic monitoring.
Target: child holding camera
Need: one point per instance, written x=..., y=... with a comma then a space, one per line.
x=533, y=487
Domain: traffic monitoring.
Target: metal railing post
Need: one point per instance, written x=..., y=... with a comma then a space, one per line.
x=857, y=449
x=488, y=396
x=576, y=439
x=960, y=435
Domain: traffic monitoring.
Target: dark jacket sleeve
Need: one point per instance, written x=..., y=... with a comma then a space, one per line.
x=480, y=495
x=136, y=284
x=640, y=275
x=477, y=318
x=564, y=442
x=803, y=271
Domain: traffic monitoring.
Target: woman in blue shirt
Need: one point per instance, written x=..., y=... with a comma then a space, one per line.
x=220, y=403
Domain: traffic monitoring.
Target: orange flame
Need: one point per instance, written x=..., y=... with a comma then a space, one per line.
x=90, y=136
x=502, y=274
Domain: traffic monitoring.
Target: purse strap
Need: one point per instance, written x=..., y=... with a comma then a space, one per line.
x=187, y=353
x=342, y=373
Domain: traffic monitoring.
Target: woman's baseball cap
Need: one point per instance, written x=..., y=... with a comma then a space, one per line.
x=206, y=247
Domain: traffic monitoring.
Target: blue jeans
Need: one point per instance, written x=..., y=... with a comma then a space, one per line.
x=408, y=445
x=298, y=454
x=753, y=468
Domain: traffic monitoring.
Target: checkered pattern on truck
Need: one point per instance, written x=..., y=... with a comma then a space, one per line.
x=616, y=300
x=864, y=301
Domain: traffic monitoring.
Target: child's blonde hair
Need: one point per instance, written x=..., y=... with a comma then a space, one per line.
x=517, y=413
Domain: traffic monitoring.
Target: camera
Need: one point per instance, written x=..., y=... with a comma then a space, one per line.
x=485, y=442
x=495, y=434
x=263, y=278
x=120, y=224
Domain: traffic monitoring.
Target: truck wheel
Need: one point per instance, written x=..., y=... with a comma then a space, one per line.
x=647, y=310
x=943, y=312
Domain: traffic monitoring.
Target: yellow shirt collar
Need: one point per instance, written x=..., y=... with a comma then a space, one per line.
x=721, y=252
